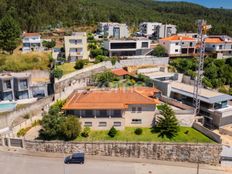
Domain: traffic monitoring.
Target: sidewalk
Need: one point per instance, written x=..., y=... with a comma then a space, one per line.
x=19, y=151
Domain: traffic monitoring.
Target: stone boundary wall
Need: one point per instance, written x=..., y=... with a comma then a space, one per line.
x=203, y=153
x=207, y=132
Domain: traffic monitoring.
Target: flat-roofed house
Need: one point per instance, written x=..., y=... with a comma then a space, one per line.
x=179, y=46
x=128, y=47
x=102, y=109
x=6, y=87
x=22, y=83
x=76, y=46
x=31, y=42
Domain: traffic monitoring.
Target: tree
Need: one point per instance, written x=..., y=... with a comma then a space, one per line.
x=9, y=33
x=101, y=58
x=51, y=126
x=96, y=52
x=112, y=132
x=49, y=44
x=159, y=51
x=70, y=128
x=79, y=64
x=104, y=78
x=167, y=124
x=58, y=73
x=86, y=132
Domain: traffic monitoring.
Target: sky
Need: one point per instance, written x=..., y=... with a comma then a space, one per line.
x=210, y=3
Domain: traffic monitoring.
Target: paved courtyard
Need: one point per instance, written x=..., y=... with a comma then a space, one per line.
x=22, y=164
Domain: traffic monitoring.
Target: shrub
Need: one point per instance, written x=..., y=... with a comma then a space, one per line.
x=112, y=132
x=138, y=131
x=86, y=132
x=26, y=116
x=70, y=128
x=58, y=73
x=79, y=64
x=22, y=132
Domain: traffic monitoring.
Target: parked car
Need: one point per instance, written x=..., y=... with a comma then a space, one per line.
x=76, y=158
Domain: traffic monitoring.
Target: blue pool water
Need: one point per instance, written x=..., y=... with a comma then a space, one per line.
x=7, y=106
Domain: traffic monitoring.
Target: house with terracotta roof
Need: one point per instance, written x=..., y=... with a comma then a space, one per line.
x=179, y=46
x=121, y=73
x=219, y=46
x=31, y=42
x=102, y=109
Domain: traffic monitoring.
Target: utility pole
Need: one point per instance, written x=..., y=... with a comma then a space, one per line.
x=202, y=30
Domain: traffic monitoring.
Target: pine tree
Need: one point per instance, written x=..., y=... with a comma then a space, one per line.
x=9, y=33
x=167, y=124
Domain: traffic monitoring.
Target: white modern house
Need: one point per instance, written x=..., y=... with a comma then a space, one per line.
x=31, y=42
x=157, y=30
x=178, y=46
x=131, y=47
x=76, y=46
x=113, y=30
x=219, y=46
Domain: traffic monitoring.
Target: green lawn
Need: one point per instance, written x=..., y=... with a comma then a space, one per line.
x=67, y=67
x=129, y=135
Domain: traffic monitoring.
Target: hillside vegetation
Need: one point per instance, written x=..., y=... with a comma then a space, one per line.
x=35, y=15
x=23, y=62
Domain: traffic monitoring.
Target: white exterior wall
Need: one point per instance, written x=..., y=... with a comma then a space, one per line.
x=146, y=115
x=70, y=45
x=171, y=46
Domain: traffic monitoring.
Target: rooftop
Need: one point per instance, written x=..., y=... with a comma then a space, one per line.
x=213, y=40
x=205, y=95
x=111, y=99
x=119, y=72
x=178, y=38
x=30, y=34
x=159, y=74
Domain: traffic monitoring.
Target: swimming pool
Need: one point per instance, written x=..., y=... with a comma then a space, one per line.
x=5, y=107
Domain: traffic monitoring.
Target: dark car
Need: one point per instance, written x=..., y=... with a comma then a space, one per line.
x=76, y=158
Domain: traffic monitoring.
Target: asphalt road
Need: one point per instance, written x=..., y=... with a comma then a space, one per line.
x=21, y=164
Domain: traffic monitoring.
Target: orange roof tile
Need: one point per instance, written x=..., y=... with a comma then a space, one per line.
x=213, y=40
x=119, y=72
x=177, y=38
x=31, y=34
x=112, y=99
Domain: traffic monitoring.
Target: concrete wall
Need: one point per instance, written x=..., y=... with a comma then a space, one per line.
x=207, y=132
x=69, y=79
x=205, y=153
x=7, y=119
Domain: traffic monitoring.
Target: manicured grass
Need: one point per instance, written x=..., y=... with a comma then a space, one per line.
x=22, y=62
x=147, y=136
x=69, y=67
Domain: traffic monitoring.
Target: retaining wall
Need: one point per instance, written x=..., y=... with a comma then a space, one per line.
x=205, y=153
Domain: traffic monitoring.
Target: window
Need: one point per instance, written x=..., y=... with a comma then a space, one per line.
x=213, y=46
x=133, y=109
x=7, y=84
x=23, y=84
x=102, y=124
x=139, y=109
x=144, y=44
x=136, y=121
x=88, y=124
x=177, y=43
x=117, y=124
x=182, y=43
x=220, y=47
x=176, y=50
x=190, y=44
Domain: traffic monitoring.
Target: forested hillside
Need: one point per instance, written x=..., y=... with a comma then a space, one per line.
x=34, y=15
